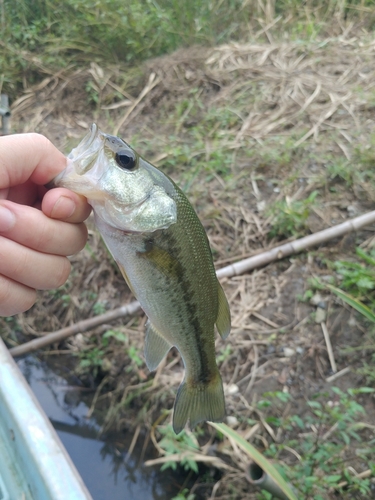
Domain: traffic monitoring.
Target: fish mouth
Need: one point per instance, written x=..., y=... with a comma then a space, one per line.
x=85, y=153
x=80, y=160
x=89, y=138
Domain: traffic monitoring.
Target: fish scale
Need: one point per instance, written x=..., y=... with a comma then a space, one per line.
x=163, y=252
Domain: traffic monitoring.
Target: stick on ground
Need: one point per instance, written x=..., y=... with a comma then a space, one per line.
x=329, y=347
x=81, y=326
x=296, y=246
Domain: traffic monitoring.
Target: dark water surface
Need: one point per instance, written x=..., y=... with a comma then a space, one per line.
x=101, y=461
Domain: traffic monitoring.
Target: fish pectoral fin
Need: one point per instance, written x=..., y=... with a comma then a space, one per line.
x=161, y=259
x=128, y=282
x=223, y=316
x=198, y=402
x=156, y=347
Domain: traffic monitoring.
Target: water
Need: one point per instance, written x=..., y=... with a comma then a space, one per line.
x=100, y=461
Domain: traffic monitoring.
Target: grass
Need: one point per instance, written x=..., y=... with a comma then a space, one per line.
x=289, y=217
x=44, y=36
x=313, y=453
x=355, y=286
x=321, y=441
x=41, y=36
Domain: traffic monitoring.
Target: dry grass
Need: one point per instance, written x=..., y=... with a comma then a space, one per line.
x=282, y=88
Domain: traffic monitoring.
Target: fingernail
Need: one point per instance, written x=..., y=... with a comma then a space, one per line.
x=7, y=219
x=63, y=209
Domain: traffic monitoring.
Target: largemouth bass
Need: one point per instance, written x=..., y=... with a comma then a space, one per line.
x=160, y=246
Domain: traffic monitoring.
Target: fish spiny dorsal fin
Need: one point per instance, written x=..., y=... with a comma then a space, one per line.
x=223, y=316
x=156, y=347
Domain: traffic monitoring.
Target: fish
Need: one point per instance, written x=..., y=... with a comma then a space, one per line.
x=162, y=250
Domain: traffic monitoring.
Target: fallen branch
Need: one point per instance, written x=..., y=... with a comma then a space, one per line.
x=235, y=269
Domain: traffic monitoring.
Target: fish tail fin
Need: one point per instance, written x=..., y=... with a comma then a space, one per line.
x=198, y=402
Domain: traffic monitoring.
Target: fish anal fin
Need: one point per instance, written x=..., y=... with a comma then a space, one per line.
x=198, y=403
x=156, y=347
x=223, y=324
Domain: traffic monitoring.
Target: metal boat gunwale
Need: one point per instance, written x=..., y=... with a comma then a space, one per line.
x=31, y=444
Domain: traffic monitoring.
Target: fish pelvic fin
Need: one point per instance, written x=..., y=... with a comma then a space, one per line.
x=198, y=402
x=156, y=347
x=223, y=324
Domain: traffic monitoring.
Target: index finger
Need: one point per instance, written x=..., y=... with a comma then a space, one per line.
x=28, y=156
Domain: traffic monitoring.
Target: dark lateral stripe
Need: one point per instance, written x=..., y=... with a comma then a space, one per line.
x=187, y=289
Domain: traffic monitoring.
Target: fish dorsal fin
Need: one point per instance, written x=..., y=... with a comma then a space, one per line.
x=223, y=316
x=156, y=347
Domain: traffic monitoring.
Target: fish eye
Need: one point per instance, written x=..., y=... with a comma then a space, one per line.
x=126, y=160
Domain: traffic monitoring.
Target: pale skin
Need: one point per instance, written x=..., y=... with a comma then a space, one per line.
x=38, y=228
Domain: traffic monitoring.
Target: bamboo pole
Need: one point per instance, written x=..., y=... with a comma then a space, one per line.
x=296, y=246
x=81, y=326
x=235, y=269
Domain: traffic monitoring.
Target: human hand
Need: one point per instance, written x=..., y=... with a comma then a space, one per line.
x=38, y=228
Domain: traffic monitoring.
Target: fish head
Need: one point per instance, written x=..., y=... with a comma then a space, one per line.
x=124, y=190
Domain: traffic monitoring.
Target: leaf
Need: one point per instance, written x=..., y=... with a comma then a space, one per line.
x=333, y=478
x=257, y=457
x=355, y=303
x=367, y=258
x=365, y=282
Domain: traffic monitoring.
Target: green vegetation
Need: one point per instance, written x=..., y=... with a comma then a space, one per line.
x=184, y=495
x=40, y=36
x=289, y=217
x=184, y=444
x=257, y=457
x=313, y=452
x=358, y=278
x=356, y=287
x=323, y=448
x=94, y=358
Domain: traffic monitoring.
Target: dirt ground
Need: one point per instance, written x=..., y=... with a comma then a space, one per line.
x=241, y=128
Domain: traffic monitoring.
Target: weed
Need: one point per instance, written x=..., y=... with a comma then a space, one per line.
x=90, y=360
x=62, y=294
x=367, y=370
x=357, y=285
x=184, y=495
x=342, y=169
x=357, y=278
x=183, y=443
x=92, y=357
x=324, y=452
x=307, y=295
x=290, y=217
x=92, y=92
x=115, y=334
x=225, y=352
x=98, y=308
x=133, y=354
